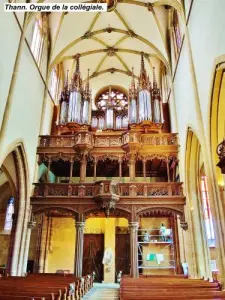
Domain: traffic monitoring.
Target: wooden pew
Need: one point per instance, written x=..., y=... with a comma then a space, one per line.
x=168, y=287
x=50, y=287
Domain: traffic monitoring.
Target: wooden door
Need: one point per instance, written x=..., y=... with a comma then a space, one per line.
x=93, y=255
x=122, y=253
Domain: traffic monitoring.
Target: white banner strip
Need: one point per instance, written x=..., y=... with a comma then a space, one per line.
x=55, y=7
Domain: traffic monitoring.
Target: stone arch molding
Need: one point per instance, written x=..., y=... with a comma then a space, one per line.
x=17, y=157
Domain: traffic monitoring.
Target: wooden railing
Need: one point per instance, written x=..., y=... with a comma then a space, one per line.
x=164, y=139
x=65, y=141
x=106, y=187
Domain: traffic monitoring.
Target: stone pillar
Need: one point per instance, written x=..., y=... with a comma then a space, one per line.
x=83, y=167
x=79, y=248
x=41, y=263
x=31, y=225
x=133, y=228
x=132, y=162
x=17, y=240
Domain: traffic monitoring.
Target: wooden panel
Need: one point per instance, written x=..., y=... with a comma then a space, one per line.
x=93, y=255
x=122, y=258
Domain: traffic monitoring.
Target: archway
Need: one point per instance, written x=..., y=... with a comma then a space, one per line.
x=15, y=212
x=198, y=198
x=217, y=123
x=52, y=237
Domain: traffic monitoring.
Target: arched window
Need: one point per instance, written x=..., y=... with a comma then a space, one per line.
x=54, y=83
x=38, y=38
x=207, y=215
x=176, y=33
x=112, y=102
x=9, y=215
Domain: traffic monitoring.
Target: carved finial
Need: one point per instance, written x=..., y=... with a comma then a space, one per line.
x=65, y=92
x=77, y=57
x=155, y=90
x=132, y=90
x=142, y=62
x=154, y=79
x=76, y=82
x=87, y=91
x=143, y=78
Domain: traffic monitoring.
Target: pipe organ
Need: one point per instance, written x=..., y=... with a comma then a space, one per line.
x=115, y=109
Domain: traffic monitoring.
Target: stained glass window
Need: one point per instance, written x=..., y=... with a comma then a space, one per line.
x=207, y=215
x=112, y=98
x=177, y=33
x=9, y=214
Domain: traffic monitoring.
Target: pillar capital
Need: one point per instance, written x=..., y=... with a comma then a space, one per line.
x=133, y=226
x=31, y=224
x=79, y=225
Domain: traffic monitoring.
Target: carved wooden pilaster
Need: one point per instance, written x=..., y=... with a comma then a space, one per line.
x=95, y=169
x=132, y=163
x=133, y=228
x=83, y=168
x=49, y=169
x=71, y=169
x=144, y=168
x=79, y=247
x=176, y=244
x=168, y=169
x=120, y=168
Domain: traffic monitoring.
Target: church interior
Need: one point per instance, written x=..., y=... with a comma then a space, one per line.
x=112, y=151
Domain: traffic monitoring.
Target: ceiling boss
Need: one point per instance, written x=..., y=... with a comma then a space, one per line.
x=111, y=4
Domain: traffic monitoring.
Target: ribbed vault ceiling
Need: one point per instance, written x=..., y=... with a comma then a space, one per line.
x=110, y=43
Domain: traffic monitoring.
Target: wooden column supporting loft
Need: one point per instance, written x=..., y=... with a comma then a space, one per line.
x=78, y=263
x=133, y=228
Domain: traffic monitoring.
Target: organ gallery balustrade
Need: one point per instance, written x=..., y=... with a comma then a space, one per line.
x=106, y=187
x=47, y=143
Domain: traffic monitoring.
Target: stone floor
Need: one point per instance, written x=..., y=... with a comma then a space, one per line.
x=103, y=291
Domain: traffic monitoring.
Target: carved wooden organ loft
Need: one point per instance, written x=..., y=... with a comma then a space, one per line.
x=116, y=159
x=221, y=156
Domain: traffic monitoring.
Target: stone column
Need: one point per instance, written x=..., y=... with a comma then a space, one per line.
x=83, y=167
x=79, y=247
x=31, y=225
x=133, y=228
x=132, y=162
x=41, y=263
